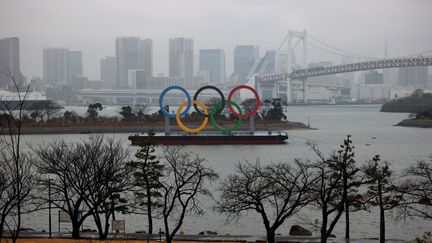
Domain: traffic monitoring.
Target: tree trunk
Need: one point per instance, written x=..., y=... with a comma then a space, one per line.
x=382, y=219
x=75, y=229
x=347, y=221
x=98, y=223
x=345, y=191
x=324, y=226
x=1, y=229
x=382, y=225
x=270, y=236
x=107, y=224
x=149, y=211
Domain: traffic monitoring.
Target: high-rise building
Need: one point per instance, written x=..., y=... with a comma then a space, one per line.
x=61, y=66
x=213, y=60
x=373, y=77
x=9, y=61
x=181, y=60
x=127, y=57
x=413, y=76
x=55, y=65
x=146, y=57
x=264, y=65
x=137, y=79
x=133, y=53
x=244, y=59
x=75, y=64
x=108, y=74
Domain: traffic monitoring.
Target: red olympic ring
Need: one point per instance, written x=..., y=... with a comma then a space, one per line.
x=257, y=101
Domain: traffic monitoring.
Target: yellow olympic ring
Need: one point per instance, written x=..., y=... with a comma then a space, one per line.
x=192, y=130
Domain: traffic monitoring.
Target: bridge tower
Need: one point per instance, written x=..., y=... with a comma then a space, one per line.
x=285, y=58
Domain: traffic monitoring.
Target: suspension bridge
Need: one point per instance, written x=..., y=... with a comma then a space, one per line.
x=289, y=75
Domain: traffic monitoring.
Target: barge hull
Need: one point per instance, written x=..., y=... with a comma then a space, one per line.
x=211, y=139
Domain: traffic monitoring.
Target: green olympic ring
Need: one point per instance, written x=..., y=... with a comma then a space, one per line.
x=215, y=108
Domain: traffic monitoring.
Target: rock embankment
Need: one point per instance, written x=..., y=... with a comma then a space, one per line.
x=418, y=102
x=405, y=108
x=423, y=123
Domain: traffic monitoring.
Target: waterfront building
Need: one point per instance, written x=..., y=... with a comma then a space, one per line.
x=133, y=53
x=213, y=61
x=264, y=65
x=244, y=58
x=55, y=65
x=61, y=66
x=413, y=76
x=108, y=74
x=137, y=79
x=9, y=61
x=75, y=64
x=181, y=60
x=373, y=77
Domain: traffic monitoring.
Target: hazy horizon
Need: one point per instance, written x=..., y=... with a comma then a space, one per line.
x=91, y=26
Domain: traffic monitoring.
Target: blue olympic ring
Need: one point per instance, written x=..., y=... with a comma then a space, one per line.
x=162, y=95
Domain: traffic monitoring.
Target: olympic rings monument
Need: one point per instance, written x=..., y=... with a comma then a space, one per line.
x=226, y=135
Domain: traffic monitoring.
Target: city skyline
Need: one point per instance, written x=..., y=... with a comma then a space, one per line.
x=215, y=25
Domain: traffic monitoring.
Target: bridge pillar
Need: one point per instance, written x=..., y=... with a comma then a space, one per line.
x=304, y=91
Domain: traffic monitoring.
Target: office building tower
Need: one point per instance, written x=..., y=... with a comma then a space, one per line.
x=373, y=77
x=146, y=57
x=55, y=65
x=181, y=60
x=108, y=74
x=413, y=76
x=213, y=60
x=61, y=66
x=244, y=59
x=133, y=53
x=9, y=61
x=264, y=65
x=137, y=79
x=127, y=57
x=75, y=64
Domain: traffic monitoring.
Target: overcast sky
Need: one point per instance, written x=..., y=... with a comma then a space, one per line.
x=91, y=26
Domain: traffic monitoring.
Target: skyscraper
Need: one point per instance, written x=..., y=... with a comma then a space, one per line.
x=244, y=59
x=61, y=66
x=264, y=65
x=9, y=61
x=213, y=60
x=181, y=60
x=146, y=57
x=108, y=71
x=75, y=64
x=413, y=76
x=55, y=65
x=133, y=53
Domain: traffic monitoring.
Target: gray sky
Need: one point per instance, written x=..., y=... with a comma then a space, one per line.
x=91, y=26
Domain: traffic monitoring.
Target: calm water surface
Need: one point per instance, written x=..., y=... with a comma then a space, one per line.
x=373, y=133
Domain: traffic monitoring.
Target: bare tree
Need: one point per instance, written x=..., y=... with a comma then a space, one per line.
x=85, y=175
x=381, y=191
x=184, y=183
x=45, y=110
x=10, y=139
x=327, y=192
x=275, y=191
x=110, y=180
x=417, y=189
x=147, y=171
x=344, y=161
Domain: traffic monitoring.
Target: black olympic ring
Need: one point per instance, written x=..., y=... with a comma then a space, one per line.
x=195, y=97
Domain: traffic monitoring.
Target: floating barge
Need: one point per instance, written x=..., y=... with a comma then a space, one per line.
x=211, y=139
